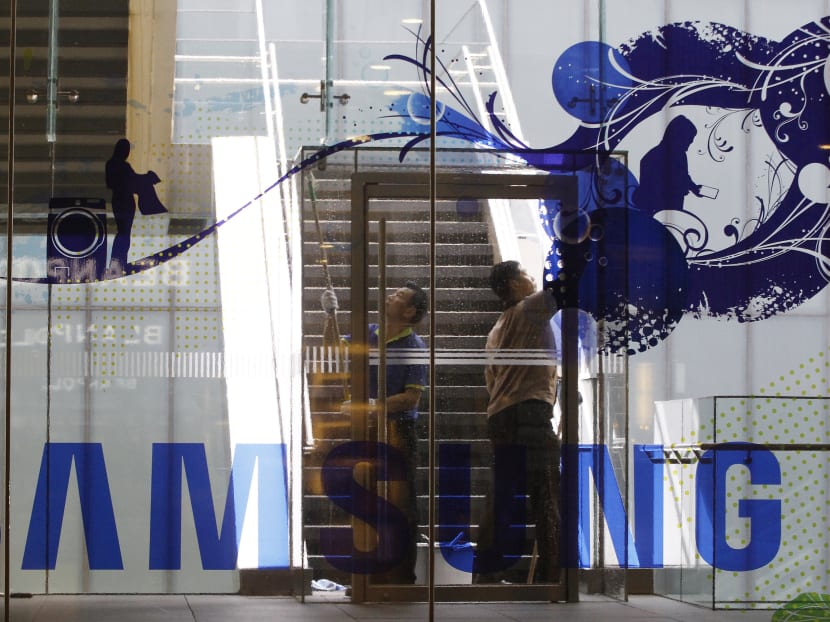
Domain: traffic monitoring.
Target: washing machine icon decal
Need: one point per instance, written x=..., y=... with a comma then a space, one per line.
x=76, y=244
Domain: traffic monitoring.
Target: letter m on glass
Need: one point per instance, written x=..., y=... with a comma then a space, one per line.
x=218, y=548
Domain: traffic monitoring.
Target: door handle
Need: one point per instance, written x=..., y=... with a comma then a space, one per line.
x=306, y=97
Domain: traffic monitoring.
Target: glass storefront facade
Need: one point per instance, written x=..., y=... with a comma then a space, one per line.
x=210, y=207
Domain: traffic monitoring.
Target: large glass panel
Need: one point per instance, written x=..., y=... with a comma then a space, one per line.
x=336, y=96
x=190, y=178
x=594, y=245
x=62, y=351
x=161, y=297
x=152, y=432
x=753, y=482
x=393, y=204
x=327, y=249
x=735, y=314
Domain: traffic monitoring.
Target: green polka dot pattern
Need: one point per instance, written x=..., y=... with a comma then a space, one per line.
x=789, y=426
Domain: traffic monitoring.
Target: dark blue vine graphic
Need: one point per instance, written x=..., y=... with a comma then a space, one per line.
x=636, y=274
x=778, y=258
x=156, y=259
x=640, y=276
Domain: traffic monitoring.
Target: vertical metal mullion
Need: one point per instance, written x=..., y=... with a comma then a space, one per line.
x=570, y=412
x=9, y=300
x=383, y=436
x=626, y=424
x=359, y=352
x=433, y=191
x=328, y=83
x=52, y=75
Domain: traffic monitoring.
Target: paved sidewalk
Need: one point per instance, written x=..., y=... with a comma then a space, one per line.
x=204, y=608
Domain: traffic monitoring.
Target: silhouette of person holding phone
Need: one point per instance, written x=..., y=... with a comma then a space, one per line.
x=125, y=184
x=664, y=171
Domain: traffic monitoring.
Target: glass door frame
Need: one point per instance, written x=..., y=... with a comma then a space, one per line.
x=414, y=185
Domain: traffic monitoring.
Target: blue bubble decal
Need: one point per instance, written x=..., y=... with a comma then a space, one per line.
x=588, y=78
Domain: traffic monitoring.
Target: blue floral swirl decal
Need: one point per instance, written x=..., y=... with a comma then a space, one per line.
x=778, y=258
x=640, y=273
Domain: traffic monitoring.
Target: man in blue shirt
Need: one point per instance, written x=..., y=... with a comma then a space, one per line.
x=406, y=378
x=406, y=374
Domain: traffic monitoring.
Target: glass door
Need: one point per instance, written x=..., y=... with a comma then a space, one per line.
x=400, y=242
x=596, y=345
x=69, y=89
x=606, y=456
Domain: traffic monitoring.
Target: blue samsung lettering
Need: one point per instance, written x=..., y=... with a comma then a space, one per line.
x=644, y=548
x=218, y=550
x=98, y=517
x=508, y=506
x=454, y=507
x=764, y=514
x=169, y=461
x=340, y=485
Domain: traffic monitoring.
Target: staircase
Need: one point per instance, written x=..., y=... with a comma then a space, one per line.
x=92, y=59
x=465, y=311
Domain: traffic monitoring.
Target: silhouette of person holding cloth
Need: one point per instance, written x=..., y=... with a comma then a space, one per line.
x=664, y=170
x=125, y=184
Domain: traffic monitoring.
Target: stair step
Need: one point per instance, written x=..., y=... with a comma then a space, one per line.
x=479, y=475
x=445, y=376
x=340, y=230
x=461, y=407
x=93, y=60
x=322, y=511
x=396, y=275
x=480, y=450
x=457, y=233
x=472, y=435
x=447, y=389
x=454, y=433
x=462, y=322
x=446, y=298
x=311, y=532
x=393, y=210
x=407, y=253
x=517, y=573
x=460, y=360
